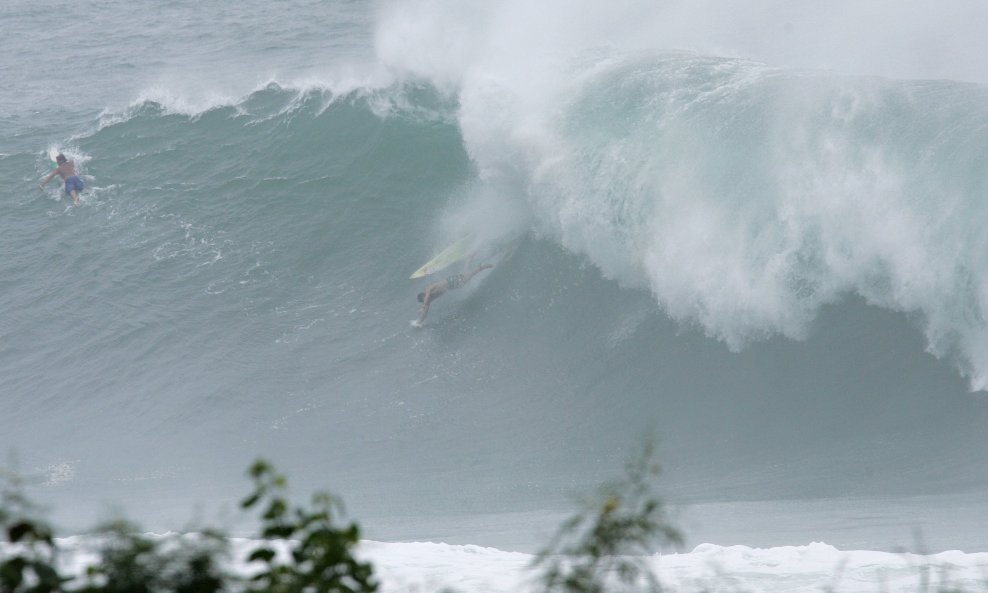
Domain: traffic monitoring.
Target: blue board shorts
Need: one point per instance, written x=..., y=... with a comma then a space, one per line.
x=73, y=183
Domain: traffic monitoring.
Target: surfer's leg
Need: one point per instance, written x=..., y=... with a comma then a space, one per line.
x=74, y=185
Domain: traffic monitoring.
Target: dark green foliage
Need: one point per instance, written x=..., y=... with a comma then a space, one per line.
x=321, y=554
x=29, y=569
x=305, y=552
x=601, y=548
x=134, y=563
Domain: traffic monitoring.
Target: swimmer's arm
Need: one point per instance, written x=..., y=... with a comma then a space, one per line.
x=424, y=310
x=45, y=181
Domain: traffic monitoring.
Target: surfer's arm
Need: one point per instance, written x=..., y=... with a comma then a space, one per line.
x=424, y=309
x=45, y=181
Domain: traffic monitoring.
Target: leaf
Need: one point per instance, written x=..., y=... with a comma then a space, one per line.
x=17, y=531
x=259, y=468
x=275, y=510
x=263, y=554
x=250, y=500
x=49, y=578
x=279, y=531
x=12, y=573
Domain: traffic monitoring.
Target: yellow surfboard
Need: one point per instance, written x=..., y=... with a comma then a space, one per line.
x=446, y=257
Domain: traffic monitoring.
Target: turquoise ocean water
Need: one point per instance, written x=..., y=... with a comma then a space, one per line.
x=717, y=226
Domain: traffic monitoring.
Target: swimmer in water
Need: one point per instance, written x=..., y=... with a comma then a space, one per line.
x=437, y=289
x=66, y=169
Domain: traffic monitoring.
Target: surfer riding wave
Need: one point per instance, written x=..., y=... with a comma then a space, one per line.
x=66, y=169
x=437, y=289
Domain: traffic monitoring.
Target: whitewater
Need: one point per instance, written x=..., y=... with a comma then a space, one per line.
x=752, y=232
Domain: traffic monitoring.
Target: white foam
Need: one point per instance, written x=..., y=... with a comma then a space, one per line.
x=744, y=197
x=812, y=568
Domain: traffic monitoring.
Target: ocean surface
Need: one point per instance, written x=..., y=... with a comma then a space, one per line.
x=755, y=234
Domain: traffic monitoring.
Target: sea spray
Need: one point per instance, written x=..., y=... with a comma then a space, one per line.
x=744, y=197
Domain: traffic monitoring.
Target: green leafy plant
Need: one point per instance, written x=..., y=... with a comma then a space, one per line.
x=305, y=551
x=321, y=553
x=602, y=547
x=29, y=568
x=131, y=562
